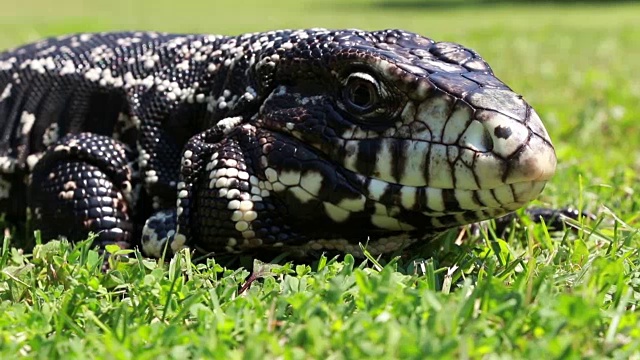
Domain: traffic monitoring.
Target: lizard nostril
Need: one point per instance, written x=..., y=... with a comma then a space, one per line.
x=502, y=132
x=507, y=135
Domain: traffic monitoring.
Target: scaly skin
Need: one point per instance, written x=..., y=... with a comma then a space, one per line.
x=286, y=140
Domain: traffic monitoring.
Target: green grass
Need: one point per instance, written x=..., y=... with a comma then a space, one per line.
x=533, y=295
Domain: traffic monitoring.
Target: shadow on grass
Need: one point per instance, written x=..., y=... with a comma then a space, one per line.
x=455, y=4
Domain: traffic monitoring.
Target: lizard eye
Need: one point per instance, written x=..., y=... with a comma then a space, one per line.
x=361, y=93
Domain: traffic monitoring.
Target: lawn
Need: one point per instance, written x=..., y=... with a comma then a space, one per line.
x=532, y=295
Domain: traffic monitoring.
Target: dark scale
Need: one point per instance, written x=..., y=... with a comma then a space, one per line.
x=289, y=140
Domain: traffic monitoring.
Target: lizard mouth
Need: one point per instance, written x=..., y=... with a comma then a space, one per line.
x=437, y=201
x=344, y=195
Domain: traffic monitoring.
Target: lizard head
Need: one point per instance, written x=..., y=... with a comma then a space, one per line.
x=412, y=124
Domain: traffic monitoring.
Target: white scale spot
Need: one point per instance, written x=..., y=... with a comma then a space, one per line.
x=233, y=205
x=456, y=124
x=218, y=173
x=211, y=165
x=383, y=162
x=474, y=137
x=359, y=134
x=335, y=213
x=271, y=174
x=352, y=205
x=33, y=159
x=233, y=193
x=504, y=195
x=232, y=172
x=250, y=215
x=486, y=197
x=408, y=197
x=523, y=191
x=465, y=199
x=435, y=201
x=246, y=205
x=301, y=194
x=488, y=170
x=279, y=187
x=440, y=171
x=311, y=181
x=376, y=189
x=151, y=177
x=434, y=112
x=231, y=242
x=250, y=234
x=389, y=223
x=66, y=195
x=249, y=96
x=290, y=178
x=6, y=92
x=465, y=178
x=93, y=74
x=222, y=182
x=212, y=68
x=149, y=63
x=7, y=65
x=237, y=215
x=148, y=82
x=351, y=152
x=232, y=163
x=242, y=226
x=37, y=65
x=243, y=175
x=415, y=163
x=184, y=65
x=26, y=121
x=228, y=124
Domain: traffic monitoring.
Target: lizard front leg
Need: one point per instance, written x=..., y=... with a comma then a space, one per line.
x=163, y=225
